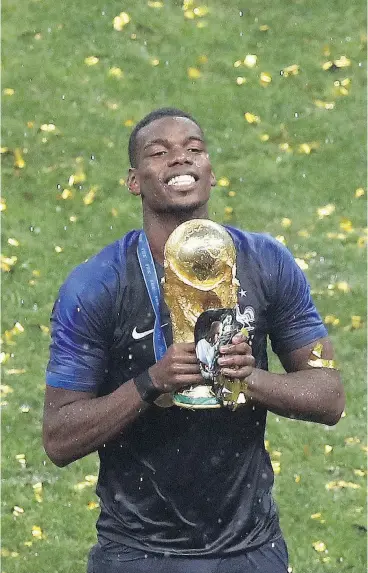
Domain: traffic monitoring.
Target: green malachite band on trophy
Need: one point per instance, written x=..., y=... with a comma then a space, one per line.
x=180, y=399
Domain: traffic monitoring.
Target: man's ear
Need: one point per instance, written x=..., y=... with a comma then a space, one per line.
x=133, y=182
x=213, y=179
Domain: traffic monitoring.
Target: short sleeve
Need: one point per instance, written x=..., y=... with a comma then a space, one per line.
x=81, y=328
x=293, y=321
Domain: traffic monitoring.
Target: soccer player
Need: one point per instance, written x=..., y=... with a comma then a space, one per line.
x=181, y=491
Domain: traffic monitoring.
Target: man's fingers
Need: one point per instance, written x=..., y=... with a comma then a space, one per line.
x=236, y=361
x=234, y=374
x=241, y=348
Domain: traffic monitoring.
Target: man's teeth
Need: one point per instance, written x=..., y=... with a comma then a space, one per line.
x=182, y=180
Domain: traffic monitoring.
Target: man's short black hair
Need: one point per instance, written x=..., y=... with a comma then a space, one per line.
x=155, y=114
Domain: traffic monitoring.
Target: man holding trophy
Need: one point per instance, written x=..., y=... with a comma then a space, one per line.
x=185, y=481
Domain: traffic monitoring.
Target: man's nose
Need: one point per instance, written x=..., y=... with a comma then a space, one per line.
x=179, y=157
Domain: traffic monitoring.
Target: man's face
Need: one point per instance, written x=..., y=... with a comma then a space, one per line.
x=173, y=171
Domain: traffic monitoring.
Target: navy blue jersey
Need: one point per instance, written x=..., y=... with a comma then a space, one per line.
x=179, y=481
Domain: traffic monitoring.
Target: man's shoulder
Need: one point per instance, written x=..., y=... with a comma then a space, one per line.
x=103, y=271
x=257, y=243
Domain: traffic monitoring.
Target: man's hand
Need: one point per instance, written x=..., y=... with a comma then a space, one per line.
x=177, y=369
x=236, y=359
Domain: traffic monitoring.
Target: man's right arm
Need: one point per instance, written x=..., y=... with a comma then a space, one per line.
x=77, y=423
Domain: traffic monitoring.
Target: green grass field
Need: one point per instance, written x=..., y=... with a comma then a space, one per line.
x=294, y=172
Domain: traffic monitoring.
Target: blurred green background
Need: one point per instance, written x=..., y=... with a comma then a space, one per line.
x=279, y=88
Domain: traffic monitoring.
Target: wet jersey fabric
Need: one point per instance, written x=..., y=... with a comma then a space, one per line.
x=181, y=482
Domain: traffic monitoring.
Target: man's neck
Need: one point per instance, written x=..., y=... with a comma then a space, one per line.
x=158, y=228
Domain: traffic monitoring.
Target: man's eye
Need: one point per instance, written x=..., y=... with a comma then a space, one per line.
x=195, y=149
x=158, y=153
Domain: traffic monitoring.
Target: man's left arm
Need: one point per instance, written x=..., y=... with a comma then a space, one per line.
x=303, y=392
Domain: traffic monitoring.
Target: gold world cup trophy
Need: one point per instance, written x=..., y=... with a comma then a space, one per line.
x=200, y=281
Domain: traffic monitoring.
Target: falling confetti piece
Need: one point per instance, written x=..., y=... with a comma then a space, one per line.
x=121, y=21
x=202, y=59
x=264, y=28
x=223, y=182
x=193, y=73
x=281, y=239
x=2, y=204
x=265, y=79
x=18, y=159
x=58, y=249
x=301, y=264
x=356, y=322
x=37, y=532
x=17, y=511
x=360, y=473
x=4, y=357
x=21, y=458
x=154, y=62
x=5, y=390
x=201, y=11
x=91, y=60
x=92, y=505
x=228, y=210
x=297, y=478
x=346, y=225
x=237, y=64
x=324, y=104
x=359, y=192
x=38, y=491
x=328, y=449
x=116, y=72
x=342, y=62
x=319, y=546
x=231, y=194
x=307, y=148
x=316, y=515
x=286, y=223
x=90, y=196
x=326, y=210
x=331, y=319
x=352, y=441
x=8, y=91
x=73, y=219
x=341, y=484
x=264, y=137
x=276, y=466
x=251, y=118
x=292, y=70
x=343, y=286
x=48, y=127
x=285, y=147
x=13, y=242
x=24, y=409
x=240, y=80
x=155, y=4
x=250, y=60
x=12, y=371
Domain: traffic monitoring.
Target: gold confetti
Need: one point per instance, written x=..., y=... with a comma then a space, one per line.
x=251, y=118
x=339, y=236
x=73, y=219
x=237, y=64
x=264, y=28
x=18, y=159
x=326, y=210
x=116, y=72
x=343, y=286
x=91, y=60
x=223, y=182
x=121, y=21
x=292, y=70
x=13, y=242
x=58, y=249
x=48, y=127
x=38, y=491
x=128, y=123
x=8, y=91
x=250, y=60
x=189, y=14
x=331, y=319
x=89, y=480
x=37, y=532
x=114, y=212
x=297, y=478
x=324, y=104
x=77, y=178
x=341, y=484
x=7, y=553
x=17, y=511
x=155, y=4
x=44, y=329
x=319, y=546
x=202, y=59
x=346, y=225
x=303, y=233
x=264, y=137
x=265, y=79
x=21, y=458
x=285, y=147
x=360, y=473
x=301, y=264
x=356, y=322
x=281, y=239
x=5, y=390
x=286, y=223
x=351, y=441
x=359, y=192
x=316, y=515
x=193, y=73
x=240, y=80
x=154, y=62
x=92, y=505
x=2, y=204
x=90, y=196
x=12, y=371
x=307, y=148
x=276, y=466
x=228, y=210
x=4, y=357
x=328, y=449
x=231, y=194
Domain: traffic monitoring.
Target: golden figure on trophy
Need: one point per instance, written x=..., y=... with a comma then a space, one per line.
x=200, y=269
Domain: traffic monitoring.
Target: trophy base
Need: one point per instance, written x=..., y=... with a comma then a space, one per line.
x=196, y=398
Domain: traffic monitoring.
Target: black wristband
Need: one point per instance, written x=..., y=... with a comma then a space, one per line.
x=146, y=388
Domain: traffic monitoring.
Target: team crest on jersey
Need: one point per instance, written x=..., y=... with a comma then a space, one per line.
x=246, y=317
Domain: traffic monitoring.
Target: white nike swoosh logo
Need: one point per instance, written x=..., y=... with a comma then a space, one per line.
x=138, y=335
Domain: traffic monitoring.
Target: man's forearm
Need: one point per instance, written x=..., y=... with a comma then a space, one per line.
x=83, y=426
x=315, y=394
